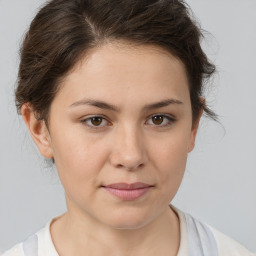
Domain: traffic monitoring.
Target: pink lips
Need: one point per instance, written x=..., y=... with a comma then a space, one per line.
x=128, y=191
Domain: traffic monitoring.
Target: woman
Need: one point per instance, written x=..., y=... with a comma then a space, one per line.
x=111, y=91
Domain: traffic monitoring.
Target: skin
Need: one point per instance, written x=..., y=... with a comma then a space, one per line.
x=128, y=147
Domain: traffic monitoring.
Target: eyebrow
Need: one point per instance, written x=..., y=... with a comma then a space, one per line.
x=105, y=105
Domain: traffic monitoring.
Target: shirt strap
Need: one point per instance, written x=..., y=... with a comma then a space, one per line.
x=30, y=246
x=201, y=241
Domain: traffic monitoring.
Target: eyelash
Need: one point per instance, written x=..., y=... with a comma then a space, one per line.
x=169, y=118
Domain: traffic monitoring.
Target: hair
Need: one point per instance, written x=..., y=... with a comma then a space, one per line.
x=63, y=31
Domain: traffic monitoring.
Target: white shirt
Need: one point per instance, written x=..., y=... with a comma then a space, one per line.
x=197, y=239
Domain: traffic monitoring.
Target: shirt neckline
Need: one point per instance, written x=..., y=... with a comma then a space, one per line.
x=183, y=248
x=50, y=248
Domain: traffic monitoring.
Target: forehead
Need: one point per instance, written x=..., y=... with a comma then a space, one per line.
x=113, y=57
x=118, y=71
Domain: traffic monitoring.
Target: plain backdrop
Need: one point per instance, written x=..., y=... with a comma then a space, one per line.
x=219, y=184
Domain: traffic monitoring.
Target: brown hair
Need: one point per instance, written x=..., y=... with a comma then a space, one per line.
x=63, y=31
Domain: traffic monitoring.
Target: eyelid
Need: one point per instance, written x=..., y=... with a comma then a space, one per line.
x=88, y=118
x=169, y=117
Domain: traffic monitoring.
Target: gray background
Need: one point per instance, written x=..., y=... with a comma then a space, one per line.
x=219, y=185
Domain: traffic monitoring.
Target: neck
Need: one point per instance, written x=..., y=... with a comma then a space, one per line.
x=75, y=233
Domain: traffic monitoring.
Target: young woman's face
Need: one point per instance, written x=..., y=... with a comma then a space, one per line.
x=123, y=115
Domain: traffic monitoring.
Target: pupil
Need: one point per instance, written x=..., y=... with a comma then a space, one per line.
x=158, y=119
x=96, y=120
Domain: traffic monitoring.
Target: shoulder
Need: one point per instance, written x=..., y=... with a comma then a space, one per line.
x=204, y=238
x=27, y=248
x=228, y=246
x=15, y=251
x=34, y=245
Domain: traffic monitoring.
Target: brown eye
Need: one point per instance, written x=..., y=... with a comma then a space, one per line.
x=162, y=120
x=96, y=120
x=157, y=119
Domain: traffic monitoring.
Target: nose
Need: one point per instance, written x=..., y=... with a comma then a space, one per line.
x=129, y=149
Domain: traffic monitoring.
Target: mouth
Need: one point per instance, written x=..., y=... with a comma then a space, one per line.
x=126, y=186
x=126, y=191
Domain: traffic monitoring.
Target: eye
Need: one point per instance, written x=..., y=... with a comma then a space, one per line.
x=94, y=122
x=99, y=122
x=162, y=120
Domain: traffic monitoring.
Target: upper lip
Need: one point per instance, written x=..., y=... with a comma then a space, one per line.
x=127, y=186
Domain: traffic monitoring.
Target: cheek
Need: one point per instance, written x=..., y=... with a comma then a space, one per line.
x=78, y=159
x=170, y=158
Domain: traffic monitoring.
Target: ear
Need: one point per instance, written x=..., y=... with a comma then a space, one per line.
x=195, y=127
x=38, y=130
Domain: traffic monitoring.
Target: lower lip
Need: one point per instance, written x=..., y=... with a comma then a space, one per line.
x=131, y=194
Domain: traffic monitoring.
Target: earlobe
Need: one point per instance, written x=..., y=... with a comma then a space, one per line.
x=38, y=130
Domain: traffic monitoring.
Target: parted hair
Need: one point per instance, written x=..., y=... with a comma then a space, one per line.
x=63, y=31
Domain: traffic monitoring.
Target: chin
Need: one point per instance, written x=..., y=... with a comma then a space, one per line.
x=127, y=220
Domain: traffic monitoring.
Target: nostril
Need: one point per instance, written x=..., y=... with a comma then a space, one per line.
x=131, y=168
x=127, y=159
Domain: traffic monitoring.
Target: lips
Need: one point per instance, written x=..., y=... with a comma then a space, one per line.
x=128, y=192
x=126, y=186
